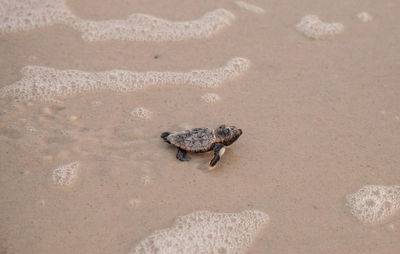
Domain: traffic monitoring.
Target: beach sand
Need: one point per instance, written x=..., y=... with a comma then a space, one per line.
x=321, y=119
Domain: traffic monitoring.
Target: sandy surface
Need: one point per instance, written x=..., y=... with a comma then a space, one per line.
x=321, y=118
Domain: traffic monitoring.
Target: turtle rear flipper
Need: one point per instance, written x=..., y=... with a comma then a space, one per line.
x=164, y=136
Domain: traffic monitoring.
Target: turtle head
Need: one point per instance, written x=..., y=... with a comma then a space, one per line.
x=227, y=134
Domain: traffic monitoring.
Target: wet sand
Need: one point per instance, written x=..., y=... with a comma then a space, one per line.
x=321, y=119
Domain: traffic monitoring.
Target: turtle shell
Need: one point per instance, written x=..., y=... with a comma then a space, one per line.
x=193, y=140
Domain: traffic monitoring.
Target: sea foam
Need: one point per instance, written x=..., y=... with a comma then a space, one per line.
x=374, y=203
x=23, y=15
x=141, y=27
x=364, y=16
x=65, y=174
x=210, y=97
x=45, y=84
x=206, y=232
x=312, y=27
x=141, y=113
x=250, y=7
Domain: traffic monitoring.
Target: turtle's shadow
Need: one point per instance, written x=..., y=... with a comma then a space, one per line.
x=200, y=160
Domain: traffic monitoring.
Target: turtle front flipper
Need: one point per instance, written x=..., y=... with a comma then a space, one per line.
x=181, y=155
x=219, y=150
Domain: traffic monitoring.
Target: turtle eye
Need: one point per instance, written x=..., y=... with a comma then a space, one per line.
x=226, y=132
x=222, y=126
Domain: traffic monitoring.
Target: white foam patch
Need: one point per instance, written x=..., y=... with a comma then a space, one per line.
x=141, y=27
x=65, y=174
x=146, y=180
x=141, y=113
x=364, y=16
x=312, y=27
x=44, y=83
x=206, y=232
x=23, y=15
x=134, y=203
x=250, y=7
x=210, y=97
x=374, y=203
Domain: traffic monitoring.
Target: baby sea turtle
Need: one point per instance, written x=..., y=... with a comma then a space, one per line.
x=200, y=140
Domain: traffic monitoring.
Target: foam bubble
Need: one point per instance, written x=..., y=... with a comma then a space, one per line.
x=30, y=128
x=374, y=203
x=206, y=232
x=210, y=97
x=141, y=113
x=250, y=7
x=141, y=27
x=23, y=15
x=134, y=203
x=146, y=180
x=312, y=27
x=97, y=103
x=364, y=16
x=65, y=174
x=44, y=83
